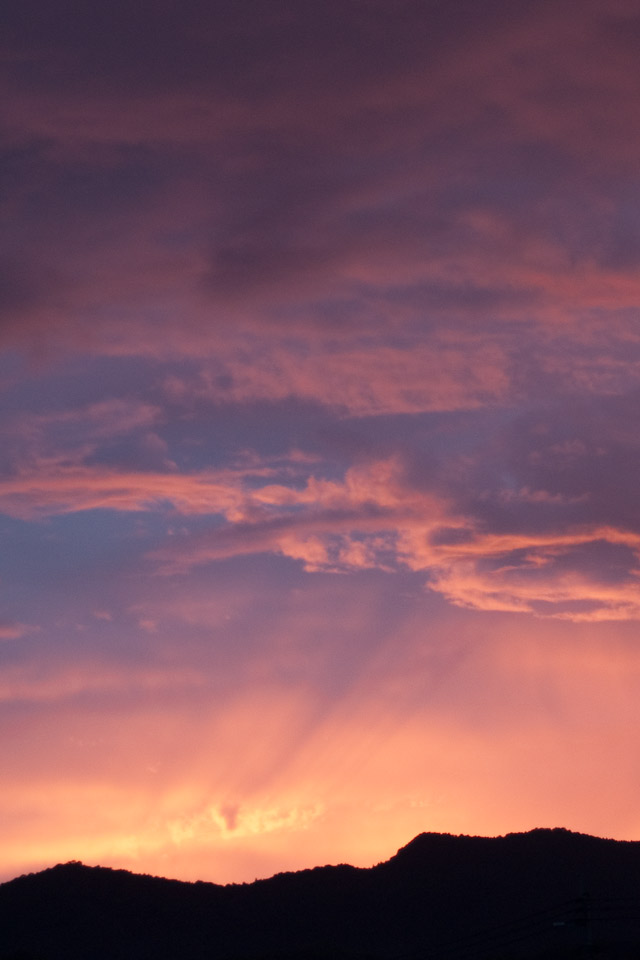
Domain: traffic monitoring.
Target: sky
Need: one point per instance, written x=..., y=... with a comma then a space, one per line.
x=319, y=445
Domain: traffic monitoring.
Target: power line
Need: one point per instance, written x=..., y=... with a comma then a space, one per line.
x=578, y=915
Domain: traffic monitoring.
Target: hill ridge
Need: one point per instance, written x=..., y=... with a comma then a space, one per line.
x=440, y=895
x=416, y=841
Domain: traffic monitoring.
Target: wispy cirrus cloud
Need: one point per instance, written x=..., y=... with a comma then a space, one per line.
x=57, y=489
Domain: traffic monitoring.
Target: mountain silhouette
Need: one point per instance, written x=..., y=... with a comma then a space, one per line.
x=546, y=893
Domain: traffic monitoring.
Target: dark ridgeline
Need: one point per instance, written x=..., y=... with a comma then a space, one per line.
x=547, y=893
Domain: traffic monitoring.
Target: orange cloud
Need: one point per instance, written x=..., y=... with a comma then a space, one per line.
x=524, y=573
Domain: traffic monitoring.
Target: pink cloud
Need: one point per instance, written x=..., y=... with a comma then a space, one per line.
x=58, y=485
x=70, y=489
x=12, y=630
x=374, y=519
x=28, y=683
x=397, y=231
x=371, y=518
x=362, y=380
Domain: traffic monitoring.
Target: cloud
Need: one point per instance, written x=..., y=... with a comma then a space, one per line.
x=12, y=630
x=63, y=489
x=374, y=519
x=552, y=576
x=236, y=822
x=459, y=173
x=357, y=380
x=21, y=683
x=71, y=435
x=549, y=563
x=53, y=485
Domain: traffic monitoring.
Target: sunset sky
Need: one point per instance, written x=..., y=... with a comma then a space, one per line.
x=320, y=428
